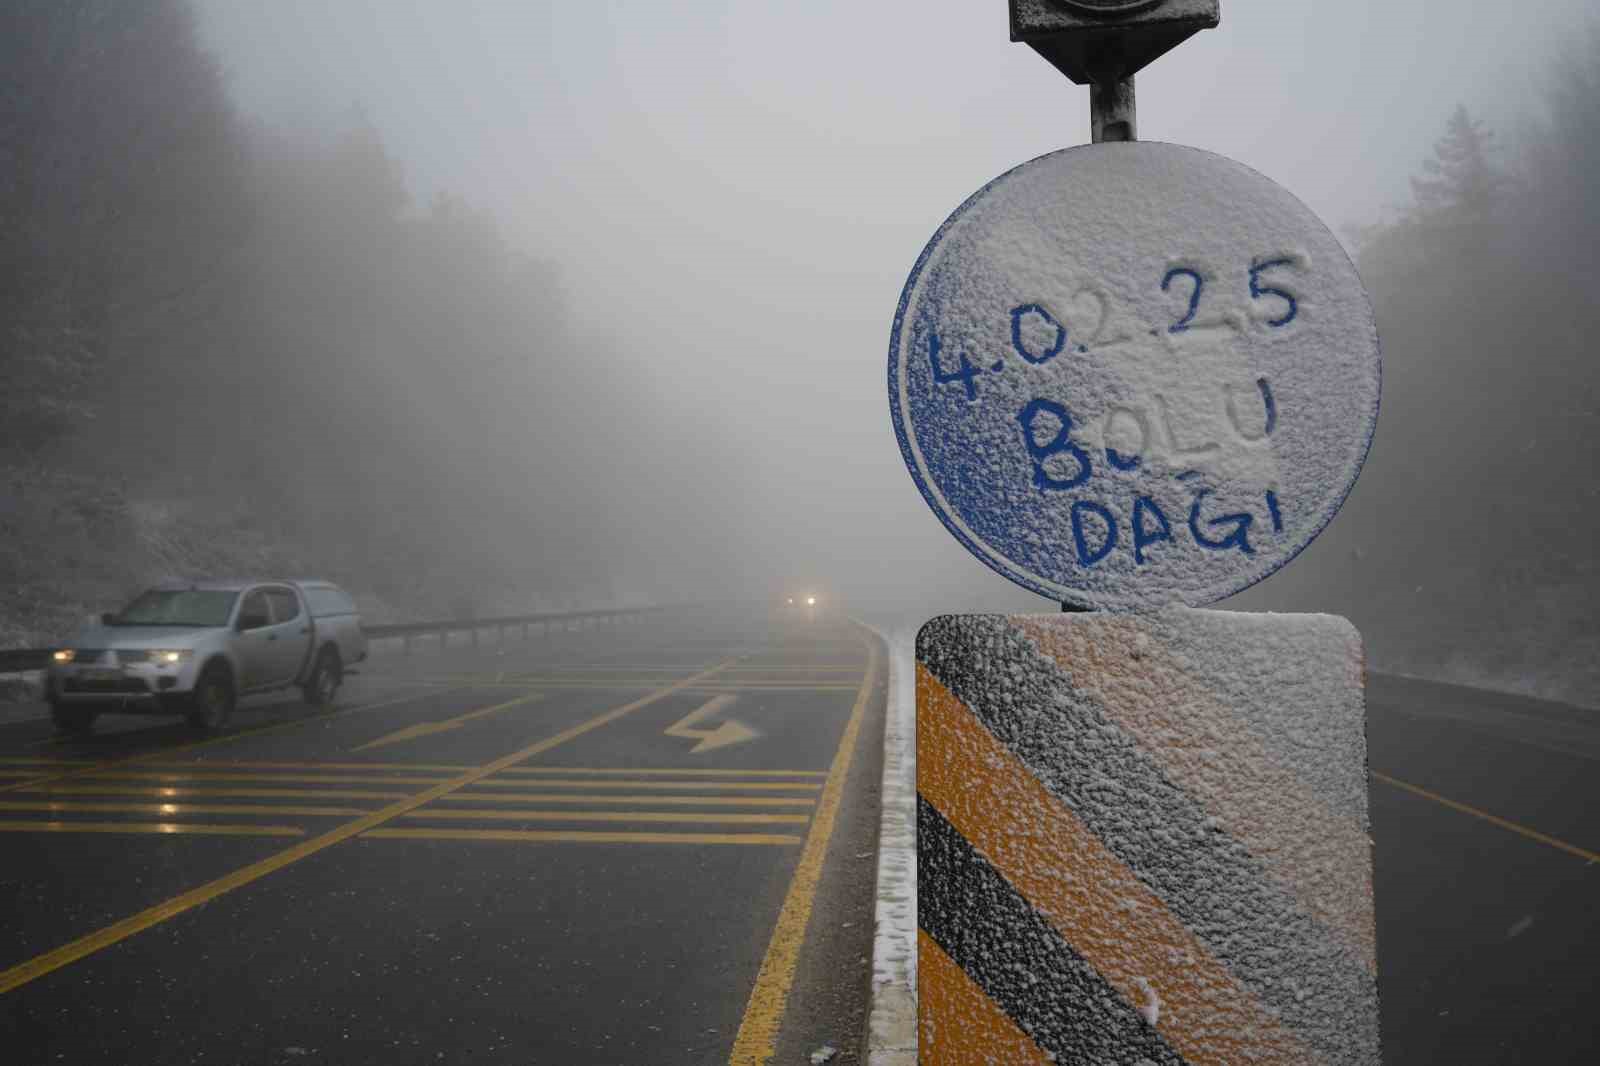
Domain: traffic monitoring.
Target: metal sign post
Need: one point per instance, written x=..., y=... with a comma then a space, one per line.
x=1137, y=378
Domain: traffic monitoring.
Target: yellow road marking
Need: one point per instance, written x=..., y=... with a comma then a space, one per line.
x=645, y=683
x=763, y=1014
x=428, y=729
x=178, y=808
x=70, y=952
x=831, y=668
x=302, y=779
x=25, y=773
x=29, y=761
x=720, y=736
x=773, y=686
x=177, y=793
x=745, y=786
x=448, y=768
x=664, y=771
x=156, y=828
x=660, y=801
x=246, y=764
x=229, y=738
x=604, y=668
x=561, y=836
x=1521, y=830
x=501, y=814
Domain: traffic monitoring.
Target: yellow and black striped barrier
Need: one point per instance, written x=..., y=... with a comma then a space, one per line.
x=1143, y=839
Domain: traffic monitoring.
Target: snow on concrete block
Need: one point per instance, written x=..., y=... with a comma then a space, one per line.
x=1144, y=838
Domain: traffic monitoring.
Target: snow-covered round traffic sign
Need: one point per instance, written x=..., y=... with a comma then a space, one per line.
x=1132, y=374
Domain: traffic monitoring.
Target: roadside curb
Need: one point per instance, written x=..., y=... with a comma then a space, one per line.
x=892, y=1013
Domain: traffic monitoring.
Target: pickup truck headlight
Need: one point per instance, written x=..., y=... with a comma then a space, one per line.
x=170, y=657
x=64, y=656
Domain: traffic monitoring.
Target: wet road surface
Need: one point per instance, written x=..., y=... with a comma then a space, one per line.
x=614, y=845
x=618, y=846
x=1486, y=823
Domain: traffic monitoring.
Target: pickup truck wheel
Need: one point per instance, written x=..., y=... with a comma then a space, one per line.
x=326, y=676
x=73, y=721
x=212, y=702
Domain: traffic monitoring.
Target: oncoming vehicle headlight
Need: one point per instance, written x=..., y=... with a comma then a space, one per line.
x=64, y=656
x=169, y=657
x=811, y=601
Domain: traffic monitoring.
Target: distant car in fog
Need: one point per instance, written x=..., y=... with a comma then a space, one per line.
x=801, y=601
x=195, y=649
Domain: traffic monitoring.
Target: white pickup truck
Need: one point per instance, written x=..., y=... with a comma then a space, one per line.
x=196, y=648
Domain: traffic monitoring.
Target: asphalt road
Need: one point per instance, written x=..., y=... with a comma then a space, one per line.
x=615, y=845
x=1486, y=820
x=515, y=854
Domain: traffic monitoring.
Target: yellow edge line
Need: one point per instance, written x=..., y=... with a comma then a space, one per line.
x=70, y=952
x=674, y=771
x=223, y=778
x=466, y=797
x=556, y=836
x=645, y=683
x=157, y=828
x=440, y=767
x=1531, y=834
x=763, y=1014
x=604, y=668
x=665, y=786
x=254, y=793
x=503, y=815
x=660, y=801
x=451, y=768
x=246, y=764
x=229, y=738
x=180, y=808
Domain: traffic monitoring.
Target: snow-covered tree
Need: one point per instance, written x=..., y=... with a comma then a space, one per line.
x=1462, y=186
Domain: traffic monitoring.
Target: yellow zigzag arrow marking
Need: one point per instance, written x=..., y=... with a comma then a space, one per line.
x=729, y=732
x=426, y=729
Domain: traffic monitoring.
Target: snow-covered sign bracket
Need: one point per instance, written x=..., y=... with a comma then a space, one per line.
x=1134, y=374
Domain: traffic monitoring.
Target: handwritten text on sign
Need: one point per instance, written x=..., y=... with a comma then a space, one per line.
x=1060, y=464
x=1110, y=424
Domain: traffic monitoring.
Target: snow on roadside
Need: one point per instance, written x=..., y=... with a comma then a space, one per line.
x=891, y=1028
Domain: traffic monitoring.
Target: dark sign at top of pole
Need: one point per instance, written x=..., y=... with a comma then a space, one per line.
x=1105, y=41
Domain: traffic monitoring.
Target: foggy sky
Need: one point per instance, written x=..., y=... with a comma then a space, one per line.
x=733, y=193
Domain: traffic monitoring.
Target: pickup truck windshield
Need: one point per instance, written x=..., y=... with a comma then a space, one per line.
x=184, y=607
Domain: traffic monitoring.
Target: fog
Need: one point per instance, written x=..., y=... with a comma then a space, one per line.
x=606, y=289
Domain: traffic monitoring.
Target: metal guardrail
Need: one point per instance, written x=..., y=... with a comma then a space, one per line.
x=407, y=631
x=17, y=660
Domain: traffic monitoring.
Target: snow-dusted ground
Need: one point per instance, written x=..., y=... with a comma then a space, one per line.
x=892, y=1024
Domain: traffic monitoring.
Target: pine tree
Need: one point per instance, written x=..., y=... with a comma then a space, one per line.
x=1462, y=187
